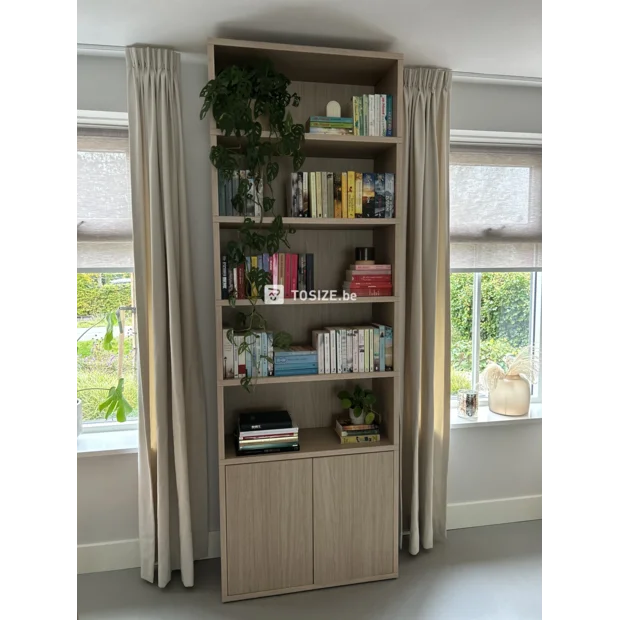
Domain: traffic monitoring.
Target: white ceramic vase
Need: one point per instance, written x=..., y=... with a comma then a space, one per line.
x=511, y=396
x=356, y=419
x=79, y=416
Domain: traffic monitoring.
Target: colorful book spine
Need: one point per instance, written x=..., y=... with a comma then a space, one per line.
x=300, y=194
x=368, y=194
x=319, y=195
x=389, y=349
x=377, y=115
x=356, y=115
x=389, y=195
x=293, y=196
x=294, y=268
x=319, y=344
x=313, y=212
x=330, y=194
x=371, y=115
x=379, y=195
x=343, y=181
x=365, y=114
x=356, y=348
x=350, y=194
x=383, y=115
x=337, y=194
x=287, y=275
x=224, y=276
x=360, y=439
x=305, y=209
x=324, y=204
x=229, y=354
x=358, y=195
x=332, y=350
x=326, y=352
x=388, y=114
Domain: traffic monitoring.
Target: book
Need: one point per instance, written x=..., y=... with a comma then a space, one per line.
x=235, y=189
x=228, y=353
x=296, y=349
x=331, y=119
x=318, y=343
x=324, y=205
x=371, y=115
x=305, y=208
x=276, y=441
x=389, y=363
x=388, y=114
x=369, y=277
x=379, y=195
x=249, y=197
x=277, y=433
x=330, y=194
x=383, y=115
x=345, y=425
x=264, y=420
x=343, y=181
x=224, y=276
x=381, y=331
x=372, y=268
x=269, y=359
x=297, y=371
x=356, y=346
x=375, y=349
x=369, y=431
x=365, y=114
x=287, y=277
x=335, y=131
x=319, y=195
x=246, y=451
x=331, y=331
x=337, y=194
x=360, y=438
x=292, y=212
x=358, y=194
x=389, y=195
x=351, y=194
x=377, y=115
x=313, y=212
x=356, y=115
x=368, y=194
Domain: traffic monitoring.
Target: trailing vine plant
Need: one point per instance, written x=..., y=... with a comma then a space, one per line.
x=239, y=96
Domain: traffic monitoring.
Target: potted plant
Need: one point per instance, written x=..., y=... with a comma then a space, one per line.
x=509, y=386
x=360, y=405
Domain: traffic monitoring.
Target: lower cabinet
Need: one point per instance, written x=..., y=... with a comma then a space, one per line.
x=309, y=522
x=269, y=526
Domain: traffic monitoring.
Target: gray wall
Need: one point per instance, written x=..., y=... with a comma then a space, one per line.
x=485, y=463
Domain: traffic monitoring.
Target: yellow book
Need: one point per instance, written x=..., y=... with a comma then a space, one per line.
x=359, y=438
x=358, y=194
x=254, y=264
x=344, y=195
x=350, y=194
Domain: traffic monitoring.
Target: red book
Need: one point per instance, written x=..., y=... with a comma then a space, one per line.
x=370, y=267
x=294, y=266
x=281, y=265
x=371, y=279
x=287, y=275
x=241, y=281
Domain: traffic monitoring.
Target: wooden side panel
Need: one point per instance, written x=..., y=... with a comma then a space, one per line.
x=353, y=517
x=269, y=526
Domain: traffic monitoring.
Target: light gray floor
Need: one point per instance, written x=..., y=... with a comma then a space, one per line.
x=478, y=574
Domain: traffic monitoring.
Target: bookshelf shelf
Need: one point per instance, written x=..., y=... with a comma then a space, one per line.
x=313, y=223
x=326, y=145
x=314, y=302
x=264, y=381
x=288, y=497
x=313, y=442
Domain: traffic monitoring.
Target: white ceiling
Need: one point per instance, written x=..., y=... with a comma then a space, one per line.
x=501, y=37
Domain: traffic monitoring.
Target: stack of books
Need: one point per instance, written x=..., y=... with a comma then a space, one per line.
x=253, y=362
x=298, y=360
x=369, y=280
x=265, y=432
x=335, y=125
x=295, y=272
x=227, y=189
x=372, y=115
x=356, y=433
x=348, y=194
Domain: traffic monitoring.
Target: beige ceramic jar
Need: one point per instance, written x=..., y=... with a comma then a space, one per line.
x=511, y=396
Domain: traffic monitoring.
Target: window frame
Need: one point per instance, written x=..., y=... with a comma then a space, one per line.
x=501, y=138
x=102, y=119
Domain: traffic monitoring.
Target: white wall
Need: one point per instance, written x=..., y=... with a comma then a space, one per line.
x=485, y=463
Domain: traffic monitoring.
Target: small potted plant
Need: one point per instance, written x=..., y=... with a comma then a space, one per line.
x=360, y=405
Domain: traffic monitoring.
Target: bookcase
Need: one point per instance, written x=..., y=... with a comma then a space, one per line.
x=328, y=514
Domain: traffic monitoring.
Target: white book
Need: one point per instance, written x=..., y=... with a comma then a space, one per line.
x=317, y=343
x=327, y=349
x=356, y=344
x=371, y=115
x=366, y=351
x=343, y=350
x=332, y=343
x=377, y=115
x=229, y=354
x=384, y=115
x=360, y=350
x=371, y=350
x=270, y=431
x=349, y=350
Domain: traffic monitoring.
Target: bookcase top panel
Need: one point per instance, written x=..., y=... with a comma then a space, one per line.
x=306, y=63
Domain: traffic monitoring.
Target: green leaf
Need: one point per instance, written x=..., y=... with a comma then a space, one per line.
x=370, y=418
x=346, y=403
x=357, y=409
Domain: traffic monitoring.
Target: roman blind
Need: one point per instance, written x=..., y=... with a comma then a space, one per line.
x=495, y=208
x=104, y=225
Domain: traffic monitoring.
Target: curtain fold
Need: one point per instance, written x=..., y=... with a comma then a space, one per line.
x=172, y=421
x=426, y=400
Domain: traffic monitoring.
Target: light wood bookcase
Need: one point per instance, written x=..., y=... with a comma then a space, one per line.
x=328, y=514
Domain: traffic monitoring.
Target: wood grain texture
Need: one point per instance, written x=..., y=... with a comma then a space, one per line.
x=311, y=223
x=269, y=526
x=353, y=517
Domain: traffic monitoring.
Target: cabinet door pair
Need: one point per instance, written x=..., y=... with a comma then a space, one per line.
x=299, y=522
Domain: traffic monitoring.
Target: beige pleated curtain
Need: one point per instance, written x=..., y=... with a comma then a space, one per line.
x=172, y=421
x=426, y=403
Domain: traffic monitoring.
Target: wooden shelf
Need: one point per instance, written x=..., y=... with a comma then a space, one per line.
x=312, y=442
x=314, y=302
x=233, y=221
x=349, y=376
x=327, y=145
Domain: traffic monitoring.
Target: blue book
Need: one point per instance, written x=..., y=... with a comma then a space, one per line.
x=266, y=263
x=388, y=114
x=295, y=359
x=295, y=372
x=260, y=262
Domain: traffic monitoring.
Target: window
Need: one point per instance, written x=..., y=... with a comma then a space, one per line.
x=496, y=258
x=105, y=272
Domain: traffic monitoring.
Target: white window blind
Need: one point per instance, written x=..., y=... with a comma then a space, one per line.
x=104, y=225
x=495, y=208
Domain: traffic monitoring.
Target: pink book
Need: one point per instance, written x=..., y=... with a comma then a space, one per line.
x=294, y=266
x=287, y=275
x=370, y=267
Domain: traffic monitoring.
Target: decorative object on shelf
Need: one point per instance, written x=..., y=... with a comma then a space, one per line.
x=364, y=256
x=509, y=389
x=468, y=404
x=359, y=405
x=239, y=98
x=332, y=109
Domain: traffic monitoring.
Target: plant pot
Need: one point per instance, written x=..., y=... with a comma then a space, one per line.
x=511, y=396
x=356, y=419
x=79, y=416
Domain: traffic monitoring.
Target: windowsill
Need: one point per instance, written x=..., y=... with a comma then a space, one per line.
x=107, y=443
x=488, y=418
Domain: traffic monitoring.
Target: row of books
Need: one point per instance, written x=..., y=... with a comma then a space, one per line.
x=368, y=280
x=227, y=189
x=295, y=272
x=298, y=360
x=341, y=194
x=335, y=125
x=372, y=115
x=356, y=433
x=255, y=361
x=266, y=432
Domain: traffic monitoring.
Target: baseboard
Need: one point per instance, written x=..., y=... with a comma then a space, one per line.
x=120, y=554
x=494, y=512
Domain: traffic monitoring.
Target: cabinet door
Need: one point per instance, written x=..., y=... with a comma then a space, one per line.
x=269, y=525
x=353, y=517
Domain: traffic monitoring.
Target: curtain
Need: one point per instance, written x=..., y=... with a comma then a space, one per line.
x=172, y=419
x=426, y=402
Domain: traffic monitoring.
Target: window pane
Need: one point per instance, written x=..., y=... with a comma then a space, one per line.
x=505, y=313
x=461, y=312
x=97, y=367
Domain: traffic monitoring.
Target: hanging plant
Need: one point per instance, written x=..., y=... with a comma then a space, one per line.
x=238, y=98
